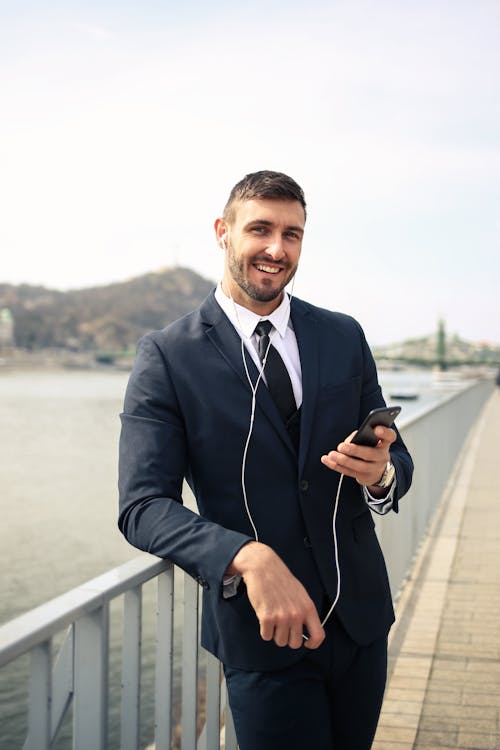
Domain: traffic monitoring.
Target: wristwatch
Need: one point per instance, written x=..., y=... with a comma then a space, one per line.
x=387, y=477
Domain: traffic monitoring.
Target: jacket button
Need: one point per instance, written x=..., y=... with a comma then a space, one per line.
x=304, y=485
x=307, y=542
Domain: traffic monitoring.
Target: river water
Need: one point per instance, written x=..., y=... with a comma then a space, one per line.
x=58, y=502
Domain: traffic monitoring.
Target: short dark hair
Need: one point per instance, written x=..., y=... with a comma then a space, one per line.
x=264, y=184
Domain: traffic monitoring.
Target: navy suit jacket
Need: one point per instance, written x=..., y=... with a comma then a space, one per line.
x=186, y=415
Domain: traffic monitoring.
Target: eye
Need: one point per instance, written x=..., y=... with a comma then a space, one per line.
x=292, y=235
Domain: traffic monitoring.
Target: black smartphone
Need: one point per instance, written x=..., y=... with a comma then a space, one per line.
x=384, y=416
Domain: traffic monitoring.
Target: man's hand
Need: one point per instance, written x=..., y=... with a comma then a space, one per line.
x=362, y=462
x=281, y=603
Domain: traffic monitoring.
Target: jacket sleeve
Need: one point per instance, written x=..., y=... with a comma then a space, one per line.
x=153, y=462
x=371, y=399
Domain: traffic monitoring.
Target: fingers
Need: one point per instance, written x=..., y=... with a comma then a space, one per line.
x=365, y=471
x=280, y=601
x=284, y=628
x=286, y=635
x=316, y=633
x=386, y=434
x=288, y=628
x=364, y=463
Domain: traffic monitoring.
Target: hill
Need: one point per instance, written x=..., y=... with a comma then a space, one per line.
x=103, y=318
x=110, y=319
x=438, y=348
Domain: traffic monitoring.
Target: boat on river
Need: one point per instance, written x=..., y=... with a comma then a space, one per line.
x=404, y=394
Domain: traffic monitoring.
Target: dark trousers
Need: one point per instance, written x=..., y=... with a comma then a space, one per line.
x=329, y=700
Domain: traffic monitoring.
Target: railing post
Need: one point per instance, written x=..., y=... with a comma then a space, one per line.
x=40, y=697
x=164, y=660
x=62, y=682
x=230, y=742
x=210, y=736
x=90, y=705
x=190, y=664
x=131, y=669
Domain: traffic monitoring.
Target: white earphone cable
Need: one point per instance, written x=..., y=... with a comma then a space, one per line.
x=253, y=389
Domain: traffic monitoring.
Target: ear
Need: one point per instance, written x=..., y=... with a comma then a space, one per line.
x=221, y=230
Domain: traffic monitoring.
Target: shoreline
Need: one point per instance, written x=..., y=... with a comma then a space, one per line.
x=56, y=359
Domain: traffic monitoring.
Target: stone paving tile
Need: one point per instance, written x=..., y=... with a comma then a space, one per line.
x=440, y=723
x=484, y=669
x=476, y=741
x=461, y=712
x=446, y=695
x=483, y=726
x=458, y=723
x=482, y=681
x=490, y=631
x=445, y=685
x=446, y=676
x=410, y=708
x=454, y=637
x=404, y=694
x=401, y=681
x=432, y=739
x=482, y=650
x=401, y=720
x=473, y=680
x=396, y=734
x=448, y=665
x=475, y=698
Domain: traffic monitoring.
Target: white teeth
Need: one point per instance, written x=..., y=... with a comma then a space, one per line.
x=268, y=269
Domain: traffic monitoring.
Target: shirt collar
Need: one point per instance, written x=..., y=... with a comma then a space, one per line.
x=245, y=320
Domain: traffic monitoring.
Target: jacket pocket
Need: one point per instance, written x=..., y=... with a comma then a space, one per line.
x=333, y=390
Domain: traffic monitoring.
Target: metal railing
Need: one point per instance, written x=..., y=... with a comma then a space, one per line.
x=78, y=677
x=435, y=437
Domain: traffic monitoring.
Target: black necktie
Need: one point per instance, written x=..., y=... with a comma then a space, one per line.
x=277, y=377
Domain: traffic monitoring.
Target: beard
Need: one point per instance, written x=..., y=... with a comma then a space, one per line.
x=259, y=293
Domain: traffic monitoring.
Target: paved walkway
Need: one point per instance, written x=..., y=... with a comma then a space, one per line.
x=444, y=684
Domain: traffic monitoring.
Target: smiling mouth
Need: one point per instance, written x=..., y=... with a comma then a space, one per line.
x=267, y=269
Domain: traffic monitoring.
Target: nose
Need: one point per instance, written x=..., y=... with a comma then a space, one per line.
x=275, y=249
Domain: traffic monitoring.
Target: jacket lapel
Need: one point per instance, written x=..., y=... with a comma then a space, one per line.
x=307, y=334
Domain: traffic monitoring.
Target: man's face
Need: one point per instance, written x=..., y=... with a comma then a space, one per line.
x=263, y=244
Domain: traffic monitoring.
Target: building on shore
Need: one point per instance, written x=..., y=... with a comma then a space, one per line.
x=6, y=330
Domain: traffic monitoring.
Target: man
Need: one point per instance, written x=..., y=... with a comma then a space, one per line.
x=273, y=546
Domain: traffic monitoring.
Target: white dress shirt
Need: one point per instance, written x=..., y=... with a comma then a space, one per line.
x=283, y=338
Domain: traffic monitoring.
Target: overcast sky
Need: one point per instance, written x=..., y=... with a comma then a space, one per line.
x=123, y=125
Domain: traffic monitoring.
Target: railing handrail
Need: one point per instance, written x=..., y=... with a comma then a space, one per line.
x=404, y=421
x=37, y=625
